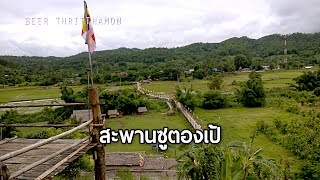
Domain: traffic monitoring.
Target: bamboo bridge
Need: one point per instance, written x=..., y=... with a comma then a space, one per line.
x=44, y=158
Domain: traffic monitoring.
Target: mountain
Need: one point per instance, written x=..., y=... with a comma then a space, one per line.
x=302, y=48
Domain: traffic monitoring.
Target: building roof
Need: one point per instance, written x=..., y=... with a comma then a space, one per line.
x=308, y=67
x=113, y=112
x=245, y=70
x=123, y=158
x=142, y=109
x=152, y=162
x=84, y=114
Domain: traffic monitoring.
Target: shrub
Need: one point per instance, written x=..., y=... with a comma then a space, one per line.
x=214, y=100
x=124, y=174
x=317, y=91
x=252, y=93
x=215, y=83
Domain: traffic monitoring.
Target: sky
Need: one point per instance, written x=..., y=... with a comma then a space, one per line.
x=53, y=27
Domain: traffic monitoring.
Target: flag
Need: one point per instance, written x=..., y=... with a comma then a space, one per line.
x=87, y=30
x=141, y=160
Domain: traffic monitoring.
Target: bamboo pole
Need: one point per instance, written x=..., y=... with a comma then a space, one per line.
x=99, y=151
x=17, y=173
x=8, y=140
x=46, y=173
x=43, y=142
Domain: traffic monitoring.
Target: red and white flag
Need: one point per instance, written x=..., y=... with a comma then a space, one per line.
x=87, y=30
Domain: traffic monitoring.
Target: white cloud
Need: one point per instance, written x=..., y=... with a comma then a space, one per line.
x=148, y=23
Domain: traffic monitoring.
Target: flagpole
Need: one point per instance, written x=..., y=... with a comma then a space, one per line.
x=90, y=64
x=87, y=41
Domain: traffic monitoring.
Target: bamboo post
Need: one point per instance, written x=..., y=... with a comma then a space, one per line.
x=4, y=172
x=99, y=151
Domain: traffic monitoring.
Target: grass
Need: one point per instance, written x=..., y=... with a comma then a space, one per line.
x=150, y=120
x=238, y=124
x=10, y=94
x=279, y=78
x=28, y=93
x=26, y=131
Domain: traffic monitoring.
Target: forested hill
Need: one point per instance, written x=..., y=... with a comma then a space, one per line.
x=303, y=49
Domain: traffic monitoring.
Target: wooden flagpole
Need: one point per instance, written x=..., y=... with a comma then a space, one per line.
x=99, y=151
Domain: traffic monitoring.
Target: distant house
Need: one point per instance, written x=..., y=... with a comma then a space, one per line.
x=113, y=113
x=216, y=70
x=308, y=67
x=82, y=114
x=266, y=67
x=123, y=73
x=146, y=81
x=245, y=70
x=187, y=73
x=142, y=110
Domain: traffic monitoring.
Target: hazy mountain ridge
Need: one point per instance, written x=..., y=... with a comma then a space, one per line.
x=304, y=48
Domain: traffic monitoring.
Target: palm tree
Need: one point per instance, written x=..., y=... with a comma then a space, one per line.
x=200, y=162
x=235, y=161
x=248, y=162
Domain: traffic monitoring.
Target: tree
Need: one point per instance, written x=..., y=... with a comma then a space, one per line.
x=317, y=91
x=9, y=118
x=241, y=61
x=214, y=100
x=215, y=83
x=199, y=74
x=248, y=163
x=308, y=81
x=237, y=160
x=200, y=162
x=309, y=171
x=187, y=97
x=67, y=94
x=252, y=93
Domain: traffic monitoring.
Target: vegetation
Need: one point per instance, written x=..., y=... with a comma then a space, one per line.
x=84, y=163
x=124, y=174
x=126, y=101
x=309, y=81
x=235, y=161
x=187, y=97
x=162, y=63
x=214, y=100
x=215, y=83
x=283, y=103
x=252, y=93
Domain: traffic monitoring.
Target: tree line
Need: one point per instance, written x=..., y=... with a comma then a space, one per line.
x=163, y=63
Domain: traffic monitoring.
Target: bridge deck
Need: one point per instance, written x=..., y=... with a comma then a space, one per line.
x=22, y=160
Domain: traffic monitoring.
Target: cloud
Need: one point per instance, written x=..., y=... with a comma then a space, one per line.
x=147, y=23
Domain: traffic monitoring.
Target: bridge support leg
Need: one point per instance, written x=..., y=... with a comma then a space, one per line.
x=99, y=151
x=4, y=172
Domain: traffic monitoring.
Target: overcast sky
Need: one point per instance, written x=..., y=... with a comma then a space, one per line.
x=146, y=23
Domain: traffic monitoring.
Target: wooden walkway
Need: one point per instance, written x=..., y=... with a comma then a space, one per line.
x=183, y=110
x=18, y=162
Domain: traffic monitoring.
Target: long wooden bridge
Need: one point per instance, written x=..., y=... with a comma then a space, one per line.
x=44, y=158
x=184, y=111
